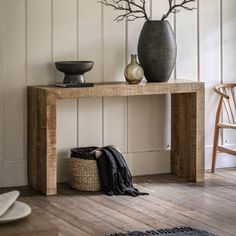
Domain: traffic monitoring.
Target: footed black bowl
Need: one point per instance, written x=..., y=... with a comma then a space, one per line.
x=74, y=70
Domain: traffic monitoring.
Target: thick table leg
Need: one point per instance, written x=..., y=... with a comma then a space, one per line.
x=41, y=141
x=187, y=135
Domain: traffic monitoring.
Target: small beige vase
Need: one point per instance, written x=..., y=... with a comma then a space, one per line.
x=134, y=72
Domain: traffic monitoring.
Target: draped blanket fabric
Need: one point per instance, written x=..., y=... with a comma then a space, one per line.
x=115, y=175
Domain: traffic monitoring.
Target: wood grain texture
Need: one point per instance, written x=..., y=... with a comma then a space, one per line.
x=188, y=133
x=123, y=89
x=31, y=226
x=172, y=202
x=42, y=141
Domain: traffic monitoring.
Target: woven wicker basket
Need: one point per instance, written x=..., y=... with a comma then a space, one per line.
x=83, y=172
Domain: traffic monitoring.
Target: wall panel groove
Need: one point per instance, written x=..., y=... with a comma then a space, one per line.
x=52, y=80
x=186, y=37
x=210, y=58
x=34, y=34
x=198, y=41
x=13, y=90
x=160, y=105
x=39, y=37
x=77, y=58
x=174, y=28
x=229, y=55
x=64, y=45
x=14, y=80
x=90, y=123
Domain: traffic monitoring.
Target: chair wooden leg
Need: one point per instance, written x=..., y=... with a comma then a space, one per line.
x=215, y=143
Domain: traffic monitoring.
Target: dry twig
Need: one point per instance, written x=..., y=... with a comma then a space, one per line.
x=135, y=9
x=175, y=7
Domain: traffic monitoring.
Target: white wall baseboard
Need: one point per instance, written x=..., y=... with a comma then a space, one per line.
x=223, y=160
x=148, y=163
x=157, y=162
x=14, y=173
x=140, y=163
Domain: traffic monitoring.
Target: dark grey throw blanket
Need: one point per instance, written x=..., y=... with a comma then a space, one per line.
x=115, y=175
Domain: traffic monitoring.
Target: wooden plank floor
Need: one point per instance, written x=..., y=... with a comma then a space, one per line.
x=172, y=202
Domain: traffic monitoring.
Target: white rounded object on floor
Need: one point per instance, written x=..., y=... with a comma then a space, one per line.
x=17, y=211
x=6, y=200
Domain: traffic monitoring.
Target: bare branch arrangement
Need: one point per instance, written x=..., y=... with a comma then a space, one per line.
x=175, y=8
x=132, y=9
x=135, y=9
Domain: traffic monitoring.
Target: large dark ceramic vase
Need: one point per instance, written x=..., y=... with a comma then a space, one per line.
x=157, y=50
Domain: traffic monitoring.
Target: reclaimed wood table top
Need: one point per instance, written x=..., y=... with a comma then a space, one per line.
x=122, y=89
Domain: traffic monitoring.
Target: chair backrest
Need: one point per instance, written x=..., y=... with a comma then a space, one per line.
x=228, y=100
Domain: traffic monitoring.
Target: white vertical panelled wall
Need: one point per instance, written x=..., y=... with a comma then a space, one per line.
x=34, y=34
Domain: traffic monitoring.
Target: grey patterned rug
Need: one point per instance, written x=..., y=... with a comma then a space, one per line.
x=181, y=231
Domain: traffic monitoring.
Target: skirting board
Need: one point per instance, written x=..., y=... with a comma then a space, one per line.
x=223, y=160
x=143, y=163
x=148, y=163
x=140, y=163
x=14, y=173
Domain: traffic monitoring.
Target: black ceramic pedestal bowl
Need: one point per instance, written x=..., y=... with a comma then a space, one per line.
x=74, y=70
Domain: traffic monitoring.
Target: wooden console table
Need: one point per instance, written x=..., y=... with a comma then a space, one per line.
x=187, y=126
